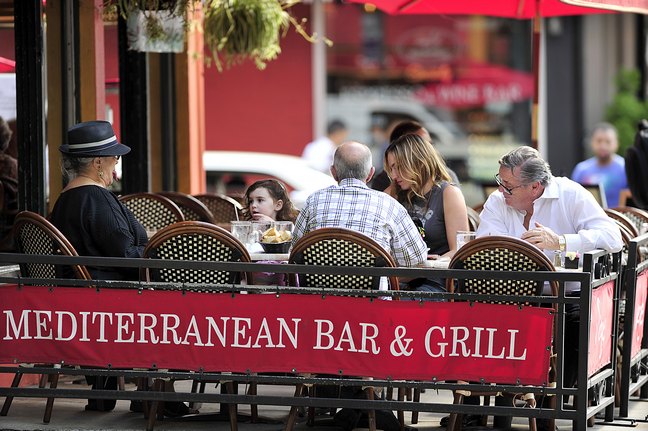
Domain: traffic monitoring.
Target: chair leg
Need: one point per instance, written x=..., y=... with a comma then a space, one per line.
x=311, y=410
x=194, y=389
x=292, y=416
x=484, y=418
x=9, y=400
x=416, y=399
x=401, y=413
x=371, y=414
x=157, y=407
x=42, y=382
x=454, y=422
x=552, y=405
x=254, y=410
x=233, y=414
x=121, y=383
x=50, y=401
x=532, y=424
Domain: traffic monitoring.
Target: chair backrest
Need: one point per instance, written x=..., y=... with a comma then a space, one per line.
x=637, y=216
x=192, y=209
x=624, y=220
x=199, y=241
x=626, y=233
x=33, y=234
x=153, y=211
x=224, y=208
x=473, y=219
x=340, y=247
x=500, y=253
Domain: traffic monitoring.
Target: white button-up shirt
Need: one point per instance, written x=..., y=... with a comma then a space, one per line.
x=566, y=208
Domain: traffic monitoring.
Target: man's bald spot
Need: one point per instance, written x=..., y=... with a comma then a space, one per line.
x=353, y=151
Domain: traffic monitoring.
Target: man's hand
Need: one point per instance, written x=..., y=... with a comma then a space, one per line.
x=542, y=237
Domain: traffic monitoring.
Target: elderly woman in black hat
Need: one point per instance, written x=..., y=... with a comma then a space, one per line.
x=89, y=215
x=92, y=218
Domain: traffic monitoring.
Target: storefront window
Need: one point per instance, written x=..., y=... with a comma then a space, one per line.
x=467, y=79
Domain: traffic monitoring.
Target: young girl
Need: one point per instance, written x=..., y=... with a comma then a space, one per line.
x=267, y=200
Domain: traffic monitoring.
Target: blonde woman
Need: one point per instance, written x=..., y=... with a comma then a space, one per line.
x=421, y=183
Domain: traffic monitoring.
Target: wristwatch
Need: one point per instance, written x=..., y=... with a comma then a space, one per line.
x=562, y=243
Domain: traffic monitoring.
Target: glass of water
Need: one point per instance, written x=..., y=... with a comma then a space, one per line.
x=463, y=237
x=242, y=230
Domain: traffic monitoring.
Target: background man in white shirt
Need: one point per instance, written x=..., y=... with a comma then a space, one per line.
x=319, y=153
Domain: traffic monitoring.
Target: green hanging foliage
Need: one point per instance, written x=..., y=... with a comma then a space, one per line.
x=627, y=109
x=237, y=30
x=234, y=30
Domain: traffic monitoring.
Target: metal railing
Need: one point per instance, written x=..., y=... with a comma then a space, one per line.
x=599, y=268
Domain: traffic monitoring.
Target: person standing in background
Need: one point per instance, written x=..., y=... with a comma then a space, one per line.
x=606, y=167
x=319, y=153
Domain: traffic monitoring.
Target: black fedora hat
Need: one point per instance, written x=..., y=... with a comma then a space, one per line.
x=93, y=139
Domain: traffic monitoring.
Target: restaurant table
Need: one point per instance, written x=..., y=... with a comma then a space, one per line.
x=282, y=257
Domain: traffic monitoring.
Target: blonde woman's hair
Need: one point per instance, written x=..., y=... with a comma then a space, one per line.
x=418, y=162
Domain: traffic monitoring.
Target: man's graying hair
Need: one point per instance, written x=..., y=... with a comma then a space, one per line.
x=73, y=166
x=356, y=167
x=532, y=167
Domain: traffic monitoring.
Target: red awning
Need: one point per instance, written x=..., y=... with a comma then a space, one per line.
x=7, y=66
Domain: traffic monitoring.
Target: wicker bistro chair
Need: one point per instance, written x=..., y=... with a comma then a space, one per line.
x=192, y=209
x=624, y=220
x=224, y=208
x=498, y=253
x=473, y=219
x=36, y=235
x=198, y=241
x=637, y=216
x=338, y=247
x=153, y=211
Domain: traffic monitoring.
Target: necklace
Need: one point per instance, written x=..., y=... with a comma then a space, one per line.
x=91, y=179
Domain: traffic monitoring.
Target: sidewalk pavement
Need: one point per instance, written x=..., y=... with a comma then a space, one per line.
x=69, y=414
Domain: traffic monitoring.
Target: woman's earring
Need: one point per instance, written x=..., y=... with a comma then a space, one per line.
x=101, y=174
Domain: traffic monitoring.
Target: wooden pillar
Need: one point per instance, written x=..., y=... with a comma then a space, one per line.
x=55, y=123
x=133, y=103
x=92, y=70
x=190, y=112
x=156, y=121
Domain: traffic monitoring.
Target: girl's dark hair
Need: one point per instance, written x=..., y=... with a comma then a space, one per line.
x=277, y=191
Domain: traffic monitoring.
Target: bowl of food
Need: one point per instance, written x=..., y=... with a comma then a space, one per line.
x=276, y=247
x=276, y=241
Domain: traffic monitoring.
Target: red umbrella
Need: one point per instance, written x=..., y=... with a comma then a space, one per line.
x=520, y=9
x=7, y=66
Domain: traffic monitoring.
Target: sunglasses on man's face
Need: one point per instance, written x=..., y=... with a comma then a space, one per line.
x=508, y=190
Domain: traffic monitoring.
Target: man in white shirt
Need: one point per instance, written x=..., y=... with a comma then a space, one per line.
x=553, y=214
x=319, y=153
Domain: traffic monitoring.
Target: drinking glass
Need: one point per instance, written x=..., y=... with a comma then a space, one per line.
x=284, y=226
x=463, y=237
x=242, y=230
x=258, y=228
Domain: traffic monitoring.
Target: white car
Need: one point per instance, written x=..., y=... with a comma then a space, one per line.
x=227, y=168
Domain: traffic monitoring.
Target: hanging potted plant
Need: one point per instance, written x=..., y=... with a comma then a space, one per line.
x=238, y=30
x=154, y=25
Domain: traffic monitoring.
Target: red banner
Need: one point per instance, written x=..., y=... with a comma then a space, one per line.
x=639, y=318
x=275, y=333
x=601, y=319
